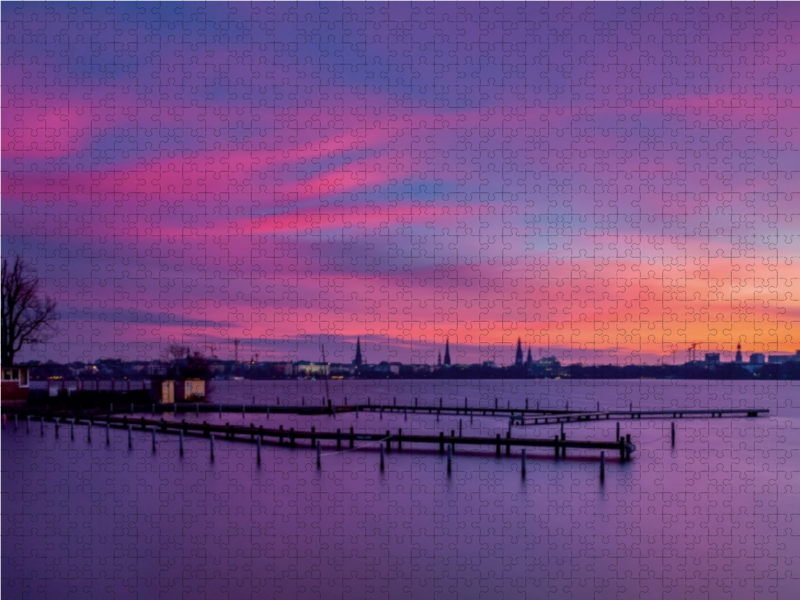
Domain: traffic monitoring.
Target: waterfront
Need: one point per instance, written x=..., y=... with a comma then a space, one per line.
x=711, y=518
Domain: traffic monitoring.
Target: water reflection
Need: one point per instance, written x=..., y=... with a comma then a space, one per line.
x=710, y=517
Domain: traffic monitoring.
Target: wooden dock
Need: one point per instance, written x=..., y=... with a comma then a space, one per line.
x=646, y=414
x=522, y=416
x=293, y=438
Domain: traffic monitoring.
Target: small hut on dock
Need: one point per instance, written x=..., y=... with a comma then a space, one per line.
x=169, y=391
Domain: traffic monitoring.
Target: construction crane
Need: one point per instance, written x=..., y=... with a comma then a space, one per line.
x=692, y=352
x=670, y=355
x=236, y=351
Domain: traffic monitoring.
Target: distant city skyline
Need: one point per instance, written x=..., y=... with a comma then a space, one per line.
x=574, y=178
x=361, y=351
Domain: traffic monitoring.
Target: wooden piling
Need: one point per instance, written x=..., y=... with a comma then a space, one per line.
x=557, y=448
x=291, y=436
x=460, y=427
x=258, y=450
x=211, y=447
x=108, y=433
x=153, y=433
x=180, y=443
x=673, y=433
x=449, y=458
x=42, y=429
x=399, y=440
x=508, y=446
x=523, y=462
x=498, y=445
x=563, y=447
x=617, y=431
x=280, y=433
x=441, y=442
x=388, y=441
x=382, y=459
x=602, y=466
x=352, y=441
x=627, y=446
x=130, y=437
x=338, y=439
x=319, y=456
x=88, y=431
x=71, y=427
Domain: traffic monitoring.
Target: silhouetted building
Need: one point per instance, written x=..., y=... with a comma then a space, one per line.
x=447, y=353
x=778, y=359
x=739, y=359
x=518, y=359
x=712, y=358
x=756, y=358
x=440, y=358
x=358, y=360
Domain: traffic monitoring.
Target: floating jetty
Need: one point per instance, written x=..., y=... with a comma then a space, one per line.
x=646, y=414
x=523, y=416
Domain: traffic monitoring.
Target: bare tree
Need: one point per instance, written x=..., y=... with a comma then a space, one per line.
x=175, y=352
x=27, y=318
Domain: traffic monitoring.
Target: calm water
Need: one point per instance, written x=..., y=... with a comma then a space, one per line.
x=718, y=516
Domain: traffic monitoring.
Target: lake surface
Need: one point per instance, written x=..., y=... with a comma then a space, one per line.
x=717, y=516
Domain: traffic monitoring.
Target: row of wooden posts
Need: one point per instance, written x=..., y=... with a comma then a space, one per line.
x=384, y=447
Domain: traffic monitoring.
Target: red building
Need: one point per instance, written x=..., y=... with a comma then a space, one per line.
x=15, y=386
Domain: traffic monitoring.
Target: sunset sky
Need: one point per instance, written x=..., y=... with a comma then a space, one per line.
x=608, y=182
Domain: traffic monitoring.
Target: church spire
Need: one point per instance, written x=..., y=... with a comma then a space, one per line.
x=518, y=361
x=447, y=352
x=358, y=360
